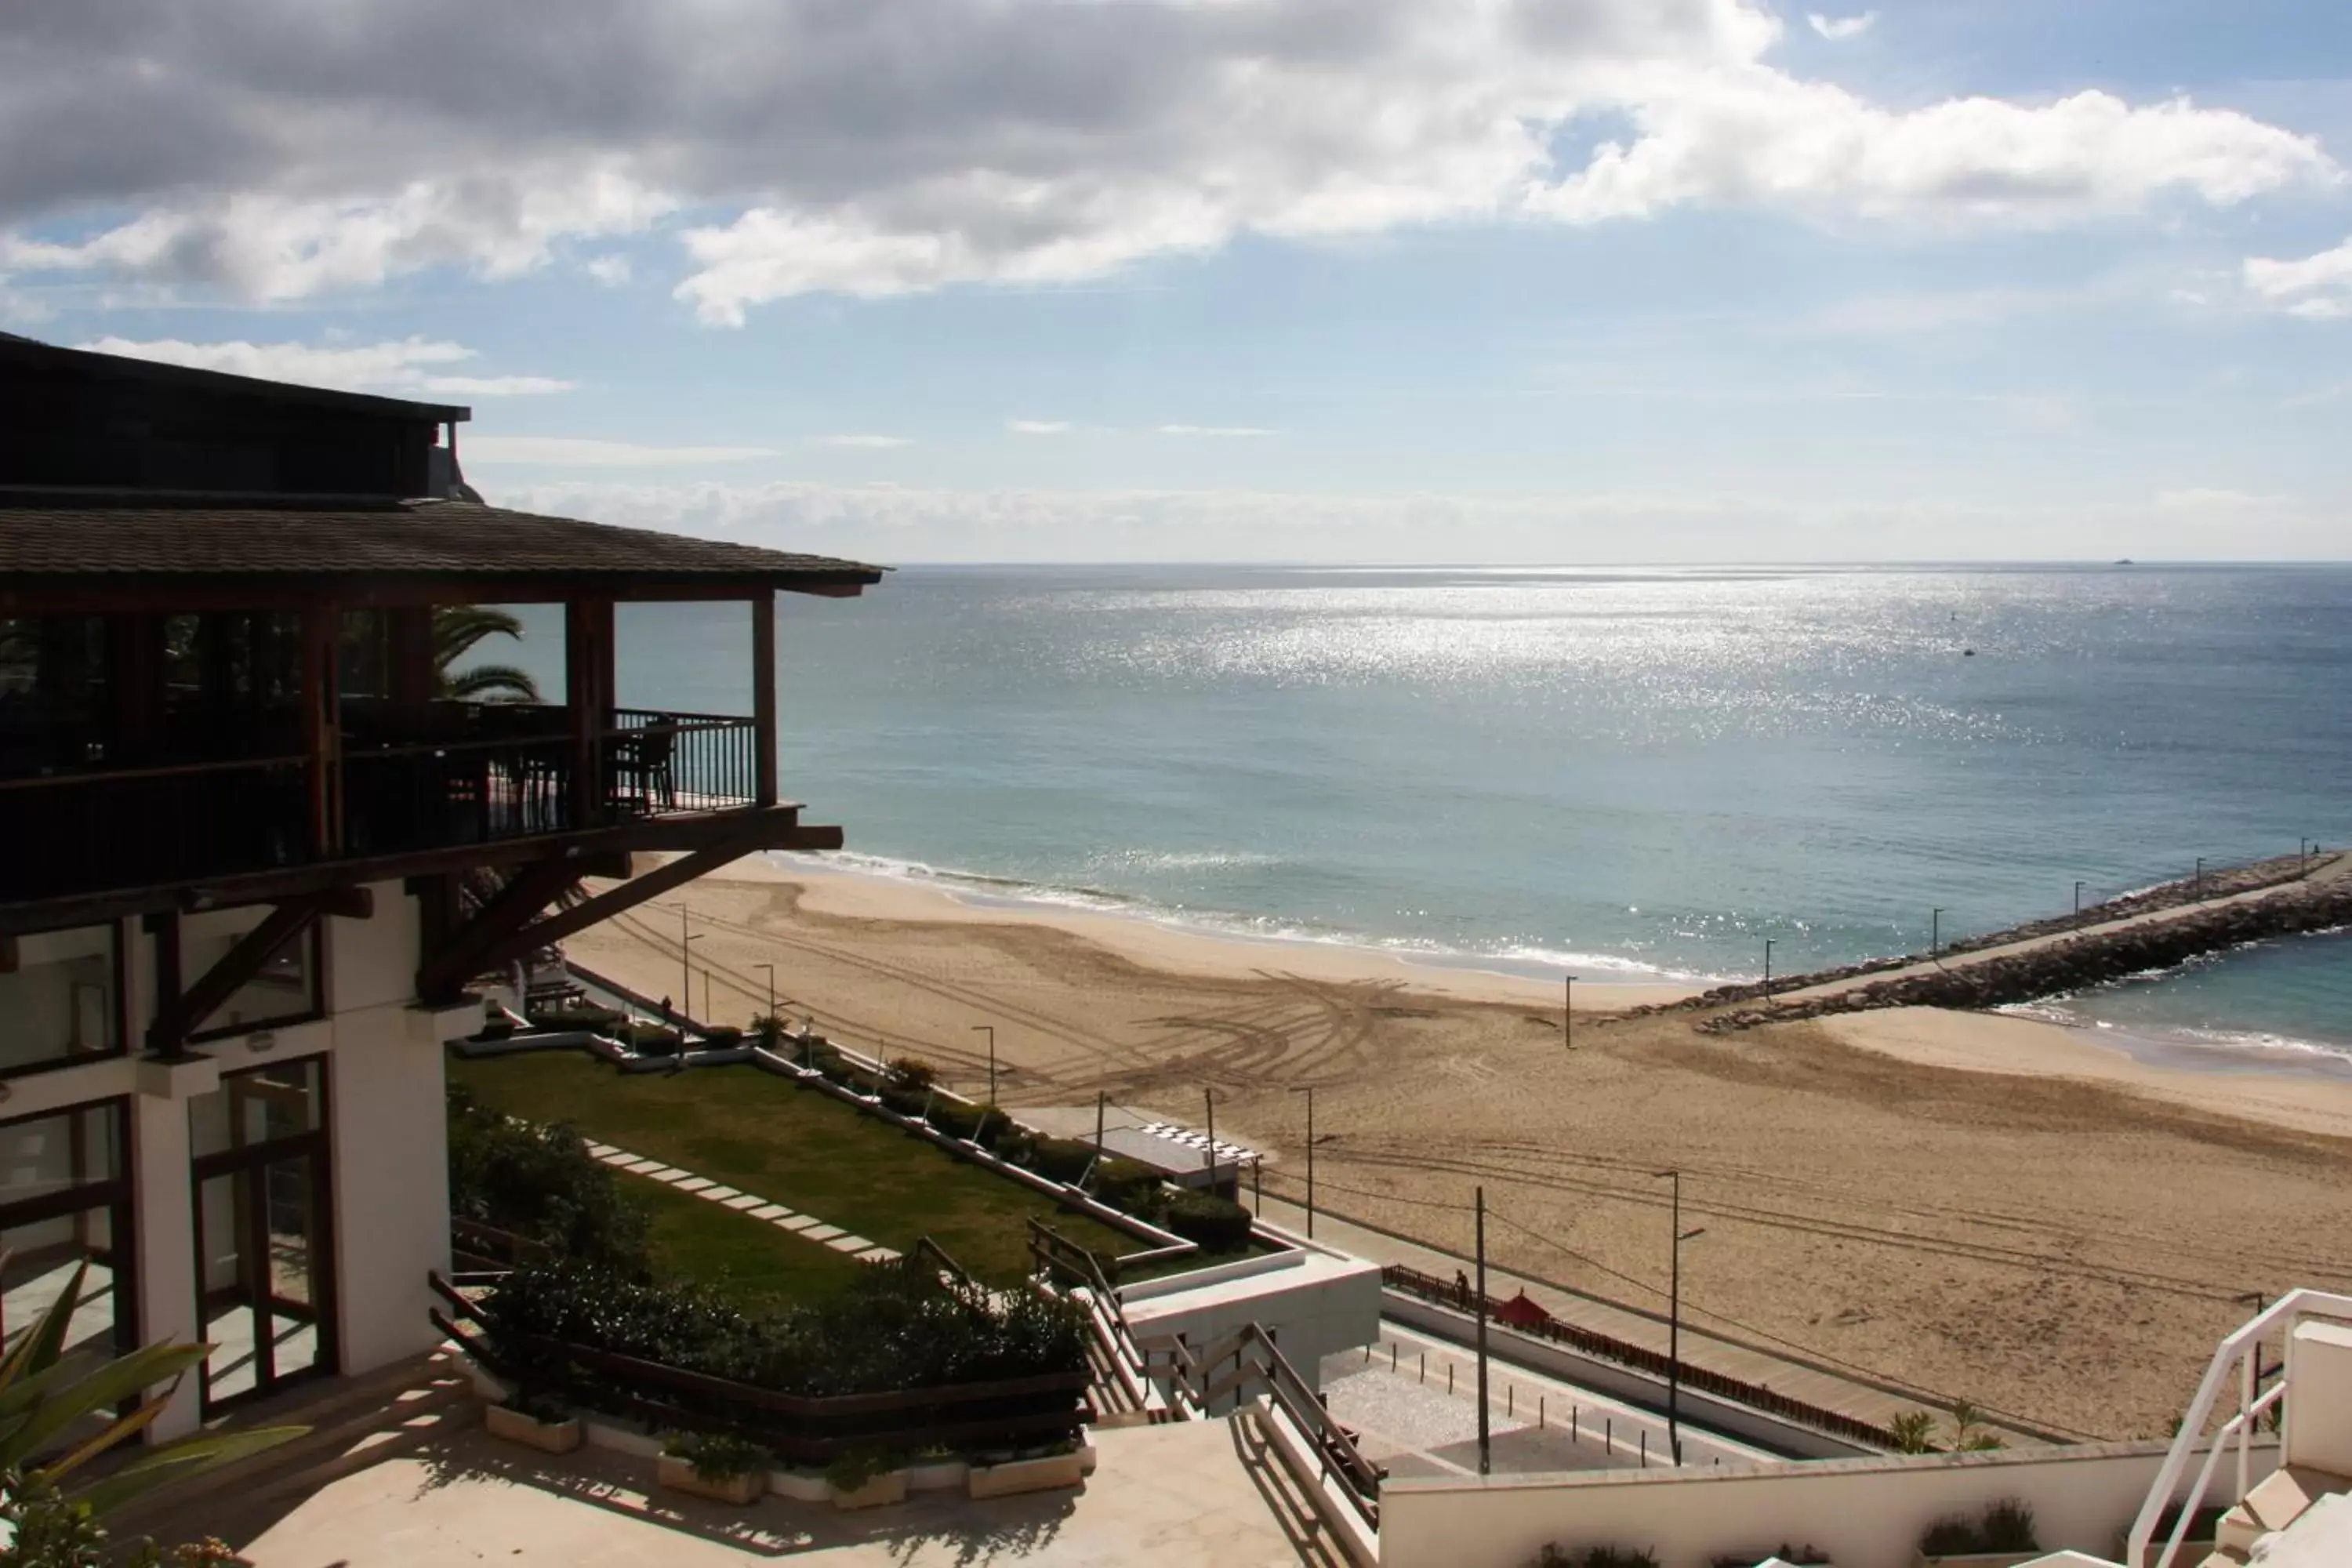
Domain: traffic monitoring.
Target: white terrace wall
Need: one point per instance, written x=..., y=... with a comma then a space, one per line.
x=1865, y=1513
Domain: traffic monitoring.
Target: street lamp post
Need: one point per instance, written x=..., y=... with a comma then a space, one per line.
x=1934, y=931
x=1308, y=1090
x=685, y=963
x=771, y=986
x=1568, y=1011
x=2078, y=896
x=989, y=1030
x=1767, y=969
x=1674, y=1319
x=2200, y=875
x=1486, y=1455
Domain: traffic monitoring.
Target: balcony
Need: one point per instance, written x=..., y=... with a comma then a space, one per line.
x=449, y=775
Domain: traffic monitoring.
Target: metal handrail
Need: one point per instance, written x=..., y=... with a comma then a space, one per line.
x=2240, y=1352
x=1360, y=1479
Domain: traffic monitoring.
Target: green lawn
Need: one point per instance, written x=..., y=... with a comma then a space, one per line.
x=753, y=1261
x=764, y=1134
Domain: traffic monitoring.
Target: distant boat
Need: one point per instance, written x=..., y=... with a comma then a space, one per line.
x=1967, y=653
x=2123, y=561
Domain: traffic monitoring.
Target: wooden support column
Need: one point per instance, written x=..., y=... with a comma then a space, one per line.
x=134, y=655
x=763, y=695
x=410, y=676
x=588, y=662
x=322, y=638
x=164, y=926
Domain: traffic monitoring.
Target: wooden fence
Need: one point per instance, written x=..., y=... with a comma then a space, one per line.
x=1009, y=1412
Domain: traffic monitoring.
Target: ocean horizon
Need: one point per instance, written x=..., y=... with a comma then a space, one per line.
x=1626, y=773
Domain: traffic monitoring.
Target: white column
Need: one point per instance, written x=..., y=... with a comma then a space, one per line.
x=163, y=1208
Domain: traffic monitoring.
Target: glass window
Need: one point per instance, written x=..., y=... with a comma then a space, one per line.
x=59, y=1003
x=258, y=1107
x=65, y=1203
x=44, y=1156
x=285, y=990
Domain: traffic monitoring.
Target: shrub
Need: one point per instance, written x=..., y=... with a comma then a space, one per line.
x=1061, y=1159
x=648, y=1038
x=721, y=1036
x=1220, y=1224
x=956, y=1119
x=572, y=1013
x=717, y=1456
x=890, y=1330
x=1913, y=1432
x=540, y=1182
x=905, y=1100
x=1949, y=1538
x=1130, y=1187
x=912, y=1072
x=2009, y=1527
x=1554, y=1555
x=766, y=1030
x=852, y=1467
x=1805, y=1556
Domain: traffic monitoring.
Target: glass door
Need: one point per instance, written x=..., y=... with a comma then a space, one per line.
x=264, y=1256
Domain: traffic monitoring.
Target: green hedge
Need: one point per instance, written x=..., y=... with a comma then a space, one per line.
x=1218, y=1224
x=891, y=1328
x=540, y=1182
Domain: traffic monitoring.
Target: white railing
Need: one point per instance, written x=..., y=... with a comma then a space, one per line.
x=2238, y=1360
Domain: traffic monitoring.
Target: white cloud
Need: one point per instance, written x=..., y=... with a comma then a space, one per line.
x=856, y=439
x=1215, y=430
x=410, y=366
x=907, y=524
x=587, y=452
x=611, y=270
x=1038, y=426
x=2316, y=288
x=1838, y=28
x=876, y=151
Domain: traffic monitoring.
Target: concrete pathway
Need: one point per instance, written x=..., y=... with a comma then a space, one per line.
x=1195, y=1494
x=806, y=1226
x=1848, y=1393
x=2333, y=868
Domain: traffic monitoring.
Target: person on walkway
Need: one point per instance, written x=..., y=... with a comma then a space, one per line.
x=1462, y=1289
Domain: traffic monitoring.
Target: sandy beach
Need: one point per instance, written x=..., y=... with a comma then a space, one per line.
x=1987, y=1206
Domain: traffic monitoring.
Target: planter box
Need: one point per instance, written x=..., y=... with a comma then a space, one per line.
x=1985, y=1559
x=1052, y=1473
x=678, y=1476
x=800, y=1486
x=874, y=1493
x=945, y=1476
x=547, y=1436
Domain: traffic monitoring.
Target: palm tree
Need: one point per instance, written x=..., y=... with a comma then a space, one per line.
x=456, y=629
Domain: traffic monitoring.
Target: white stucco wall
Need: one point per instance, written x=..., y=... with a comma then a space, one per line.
x=1321, y=1302
x=2319, y=1397
x=1867, y=1513
x=389, y=1171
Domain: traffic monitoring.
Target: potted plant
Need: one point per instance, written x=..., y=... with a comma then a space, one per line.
x=863, y=1478
x=1051, y=1469
x=2003, y=1537
x=1806, y=1556
x=722, y=1467
x=1554, y=1555
x=535, y=1421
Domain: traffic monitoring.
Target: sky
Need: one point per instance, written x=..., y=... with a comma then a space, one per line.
x=1318, y=280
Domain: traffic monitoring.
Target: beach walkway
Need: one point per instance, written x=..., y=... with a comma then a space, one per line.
x=1851, y=1392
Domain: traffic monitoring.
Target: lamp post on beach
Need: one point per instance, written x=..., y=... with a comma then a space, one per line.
x=1485, y=1455
x=771, y=986
x=1308, y=1090
x=1568, y=1011
x=2200, y=875
x=2078, y=895
x=1767, y=969
x=686, y=963
x=1934, y=931
x=1674, y=1319
x=989, y=1030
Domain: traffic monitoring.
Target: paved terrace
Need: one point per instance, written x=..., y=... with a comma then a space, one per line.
x=1198, y=1494
x=1851, y=1392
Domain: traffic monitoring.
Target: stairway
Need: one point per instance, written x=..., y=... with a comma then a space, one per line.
x=2285, y=1513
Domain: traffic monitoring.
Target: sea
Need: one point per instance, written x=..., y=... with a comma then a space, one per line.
x=1623, y=774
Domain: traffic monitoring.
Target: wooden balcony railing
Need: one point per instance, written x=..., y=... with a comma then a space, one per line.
x=516, y=775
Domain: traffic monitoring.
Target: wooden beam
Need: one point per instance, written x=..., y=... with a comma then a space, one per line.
x=455, y=958
x=683, y=833
x=180, y=1017
x=347, y=903
x=763, y=697
x=554, y=927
